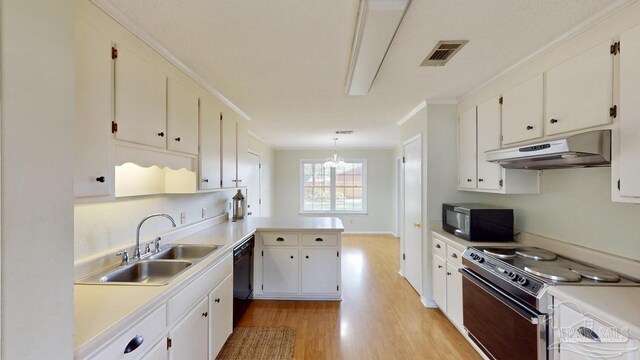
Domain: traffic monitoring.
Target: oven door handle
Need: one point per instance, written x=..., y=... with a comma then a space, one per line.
x=501, y=296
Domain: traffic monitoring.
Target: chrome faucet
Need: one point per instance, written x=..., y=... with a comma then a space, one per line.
x=136, y=251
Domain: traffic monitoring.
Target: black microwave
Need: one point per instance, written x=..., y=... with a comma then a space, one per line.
x=477, y=222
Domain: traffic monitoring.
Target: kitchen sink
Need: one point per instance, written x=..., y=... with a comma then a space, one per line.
x=185, y=252
x=145, y=272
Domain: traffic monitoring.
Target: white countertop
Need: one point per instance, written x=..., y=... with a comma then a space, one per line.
x=618, y=306
x=101, y=311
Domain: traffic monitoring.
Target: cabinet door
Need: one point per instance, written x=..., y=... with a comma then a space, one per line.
x=242, y=161
x=210, y=109
x=629, y=115
x=221, y=319
x=522, y=110
x=579, y=92
x=189, y=339
x=229, y=150
x=140, y=100
x=280, y=270
x=182, y=118
x=319, y=271
x=454, y=295
x=440, y=282
x=489, y=174
x=94, y=79
x=467, y=149
x=158, y=352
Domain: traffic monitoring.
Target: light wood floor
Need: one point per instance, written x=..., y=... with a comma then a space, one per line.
x=380, y=316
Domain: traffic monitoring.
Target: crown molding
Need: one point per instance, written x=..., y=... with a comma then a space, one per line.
x=443, y=102
x=260, y=139
x=122, y=19
x=553, y=44
x=412, y=113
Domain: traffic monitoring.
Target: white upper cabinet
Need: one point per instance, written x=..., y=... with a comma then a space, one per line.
x=210, y=110
x=579, y=92
x=628, y=130
x=242, y=137
x=467, y=149
x=140, y=100
x=182, y=118
x=94, y=79
x=229, y=150
x=489, y=174
x=522, y=111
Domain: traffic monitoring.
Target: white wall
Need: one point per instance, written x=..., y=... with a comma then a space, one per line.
x=380, y=190
x=267, y=174
x=38, y=98
x=575, y=205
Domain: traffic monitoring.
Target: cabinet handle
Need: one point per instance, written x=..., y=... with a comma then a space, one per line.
x=249, y=213
x=553, y=121
x=292, y=256
x=205, y=180
x=468, y=180
x=177, y=139
x=588, y=333
x=439, y=266
x=454, y=255
x=100, y=179
x=307, y=256
x=279, y=239
x=480, y=180
x=205, y=314
x=319, y=239
x=161, y=134
x=217, y=300
x=239, y=180
x=134, y=344
x=448, y=273
x=529, y=127
x=437, y=246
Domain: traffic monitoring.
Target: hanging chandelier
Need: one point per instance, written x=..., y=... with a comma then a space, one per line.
x=334, y=160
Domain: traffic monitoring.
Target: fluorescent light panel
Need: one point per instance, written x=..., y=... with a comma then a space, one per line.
x=378, y=21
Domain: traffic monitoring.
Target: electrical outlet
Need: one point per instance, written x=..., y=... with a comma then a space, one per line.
x=204, y=212
x=183, y=217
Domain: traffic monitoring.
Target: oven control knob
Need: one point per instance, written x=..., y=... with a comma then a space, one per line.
x=513, y=276
x=523, y=281
x=480, y=259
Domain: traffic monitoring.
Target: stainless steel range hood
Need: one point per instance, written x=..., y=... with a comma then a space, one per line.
x=587, y=149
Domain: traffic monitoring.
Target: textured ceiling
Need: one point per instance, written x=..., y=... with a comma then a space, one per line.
x=284, y=62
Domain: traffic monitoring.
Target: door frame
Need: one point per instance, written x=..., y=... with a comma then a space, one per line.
x=259, y=179
x=400, y=208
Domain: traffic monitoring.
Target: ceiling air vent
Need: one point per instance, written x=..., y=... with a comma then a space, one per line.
x=443, y=52
x=344, y=132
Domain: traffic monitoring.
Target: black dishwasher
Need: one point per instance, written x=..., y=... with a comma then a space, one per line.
x=242, y=278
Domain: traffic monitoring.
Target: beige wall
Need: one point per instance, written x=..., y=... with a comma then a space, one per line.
x=380, y=180
x=575, y=205
x=38, y=98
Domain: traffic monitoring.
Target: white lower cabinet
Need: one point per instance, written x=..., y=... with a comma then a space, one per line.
x=298, y=265
x=220, y=315
x=189, y=338
x=280, y=270
x=319, y=271
x=446, y=280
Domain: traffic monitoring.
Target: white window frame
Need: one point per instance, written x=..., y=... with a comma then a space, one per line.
x=333, y=210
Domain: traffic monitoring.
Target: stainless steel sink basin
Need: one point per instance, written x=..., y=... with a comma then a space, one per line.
x=145, y=272
x=185, y=252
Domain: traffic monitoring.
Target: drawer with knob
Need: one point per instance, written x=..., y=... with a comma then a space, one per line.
x=319, y=240
x=454, y=256
x=135, y=341
x=280, y=239
x=439, y=247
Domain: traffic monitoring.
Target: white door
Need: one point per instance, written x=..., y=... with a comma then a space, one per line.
x=439, y=279
x=210, y=109
x=629, y=122
x=140, y=100
x=319, y=271
x=221, y=315
x=522, y=111
x=413, y=213
x=489, y=174
x=253, y=185
x=454, y=295
x=280, y=272
x=189, y=339
x=467, y=149
x=229, y=150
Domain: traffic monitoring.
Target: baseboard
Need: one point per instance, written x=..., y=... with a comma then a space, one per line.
x=428, y=303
